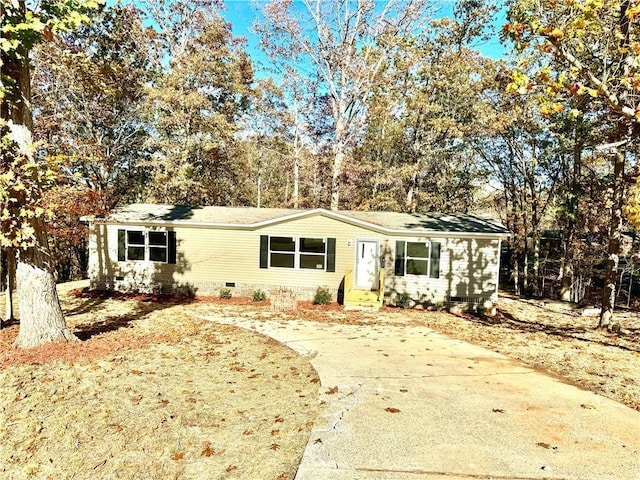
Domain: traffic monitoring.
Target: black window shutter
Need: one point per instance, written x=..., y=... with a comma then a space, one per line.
x=399, y=267
x=264, y=251
x=122, y=245
x=435, y=260
x=172, y=247
x=331, y=254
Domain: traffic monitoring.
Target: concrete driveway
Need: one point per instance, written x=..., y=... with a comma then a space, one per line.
x=409, y=403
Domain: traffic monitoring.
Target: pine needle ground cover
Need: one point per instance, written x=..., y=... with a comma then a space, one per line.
x=152, y=393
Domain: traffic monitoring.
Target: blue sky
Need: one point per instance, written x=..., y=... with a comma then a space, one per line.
x=242, y=13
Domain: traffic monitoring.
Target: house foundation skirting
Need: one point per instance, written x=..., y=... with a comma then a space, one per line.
x=211, y=289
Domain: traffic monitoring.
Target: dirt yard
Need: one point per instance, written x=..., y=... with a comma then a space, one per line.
x=152, y=392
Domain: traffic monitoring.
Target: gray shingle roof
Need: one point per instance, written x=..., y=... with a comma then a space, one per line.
x=251, y=216
x=147, y=212
x=432, y=222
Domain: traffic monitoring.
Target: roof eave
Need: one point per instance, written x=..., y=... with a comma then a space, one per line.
x=303, y=214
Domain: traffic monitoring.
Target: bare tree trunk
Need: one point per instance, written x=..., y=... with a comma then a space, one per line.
x=338, y=155
x=338, y=159
x=630, y=287
x=11, y=285
x=615, y=234
x=259, y=191
x=296, y=180
x=516, y=274
x=41, y=318
x=525, y=271
x=536, y=264
x=297, y=150
x=566, y=279
x=567, y=272
x=410, y=204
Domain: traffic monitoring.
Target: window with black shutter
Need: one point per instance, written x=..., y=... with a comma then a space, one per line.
x=300, y=253
x=417, y=258
x=158, y=246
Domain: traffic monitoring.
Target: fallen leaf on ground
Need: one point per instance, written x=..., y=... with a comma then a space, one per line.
x=207, y=452
x=99, y=464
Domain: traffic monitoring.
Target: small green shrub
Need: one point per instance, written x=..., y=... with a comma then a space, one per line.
x=225, y=292
x=259, y=295
x=322, y=296
x=185, y=290
x=403, y=300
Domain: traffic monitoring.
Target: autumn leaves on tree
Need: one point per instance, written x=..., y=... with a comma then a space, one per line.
x=586, y=49
x=22, y=175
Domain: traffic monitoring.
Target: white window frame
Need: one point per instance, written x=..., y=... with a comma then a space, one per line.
x=297, y=253
x=428, y=259
x=147, y=255
x=165, y=246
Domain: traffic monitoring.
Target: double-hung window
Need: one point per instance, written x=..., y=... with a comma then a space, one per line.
x=282, y=252
x=158, y=246
x=146, y=245
x=135, y=245
x=417, y=258
x=305, y=253
x=312, y=253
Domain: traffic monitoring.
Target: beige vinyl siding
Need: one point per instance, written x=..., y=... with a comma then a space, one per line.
x=105, y=271
x=421, y=288
x=474, y=268
x=468, y=270
x=234, y=256
x=209, y=258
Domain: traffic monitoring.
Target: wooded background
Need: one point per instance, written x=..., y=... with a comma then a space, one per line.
x=357, y=105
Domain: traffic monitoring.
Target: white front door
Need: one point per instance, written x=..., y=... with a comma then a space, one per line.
x=366, y=264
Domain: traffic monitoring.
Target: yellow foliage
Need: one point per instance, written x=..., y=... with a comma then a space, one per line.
x=632, y=209
x=520, y=83
x=556, y=34
x=632, y=12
